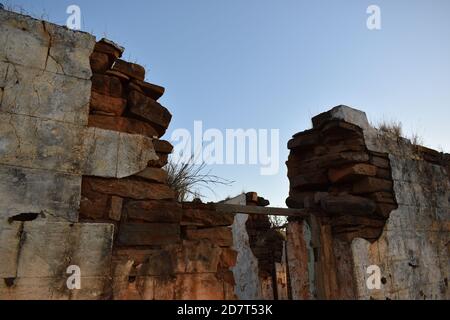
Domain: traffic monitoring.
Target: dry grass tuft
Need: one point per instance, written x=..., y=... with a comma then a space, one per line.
x=186, y=179
x=392, y=128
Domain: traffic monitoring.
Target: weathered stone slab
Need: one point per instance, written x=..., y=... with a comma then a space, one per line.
x=149, y=234
x=135, y=151
x=85, y=245
x=101, y=148
x=44, y=94
x=129, y=188
x=23, y=34
x=40, y=144
x=344, y=113
x=36, y=44
x=69, y=51
x=32, y=191
x=114, y=154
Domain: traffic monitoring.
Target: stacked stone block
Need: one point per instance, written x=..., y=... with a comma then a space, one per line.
x=161, y=247
x=331, y=171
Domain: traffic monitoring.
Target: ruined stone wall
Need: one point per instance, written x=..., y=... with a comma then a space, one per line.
x=378, y=200
x=260, y=272
x=82, y=179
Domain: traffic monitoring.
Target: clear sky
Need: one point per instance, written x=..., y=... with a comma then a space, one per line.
x=273, y=64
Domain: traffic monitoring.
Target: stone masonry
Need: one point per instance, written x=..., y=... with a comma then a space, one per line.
x=378, y=200
x=82, y=179
x=83, y=184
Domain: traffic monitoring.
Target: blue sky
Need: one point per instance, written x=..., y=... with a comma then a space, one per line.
x=268, y=64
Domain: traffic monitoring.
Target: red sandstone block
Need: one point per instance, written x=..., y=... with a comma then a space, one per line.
x=150, y=90
x=156, y=175
x=371, y=185
x=228, y=258
x=351, y=173
x=132, y=70
x=163, y=146
x=100, y=62
x=122, y=124
x=206, y=218
x=154, y=211
x=130, y=188
x=150, y=110
x=115, y=209
x=93, y=205
x=161, y=162
x=348, y=205
x=110, y=48
x=107, y=104
x=107, y=85
x=221, y=236
x=149, y=234
x=303, y=140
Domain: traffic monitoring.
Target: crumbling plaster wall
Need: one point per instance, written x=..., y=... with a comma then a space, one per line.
x=246, y=273
x=414, y=250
